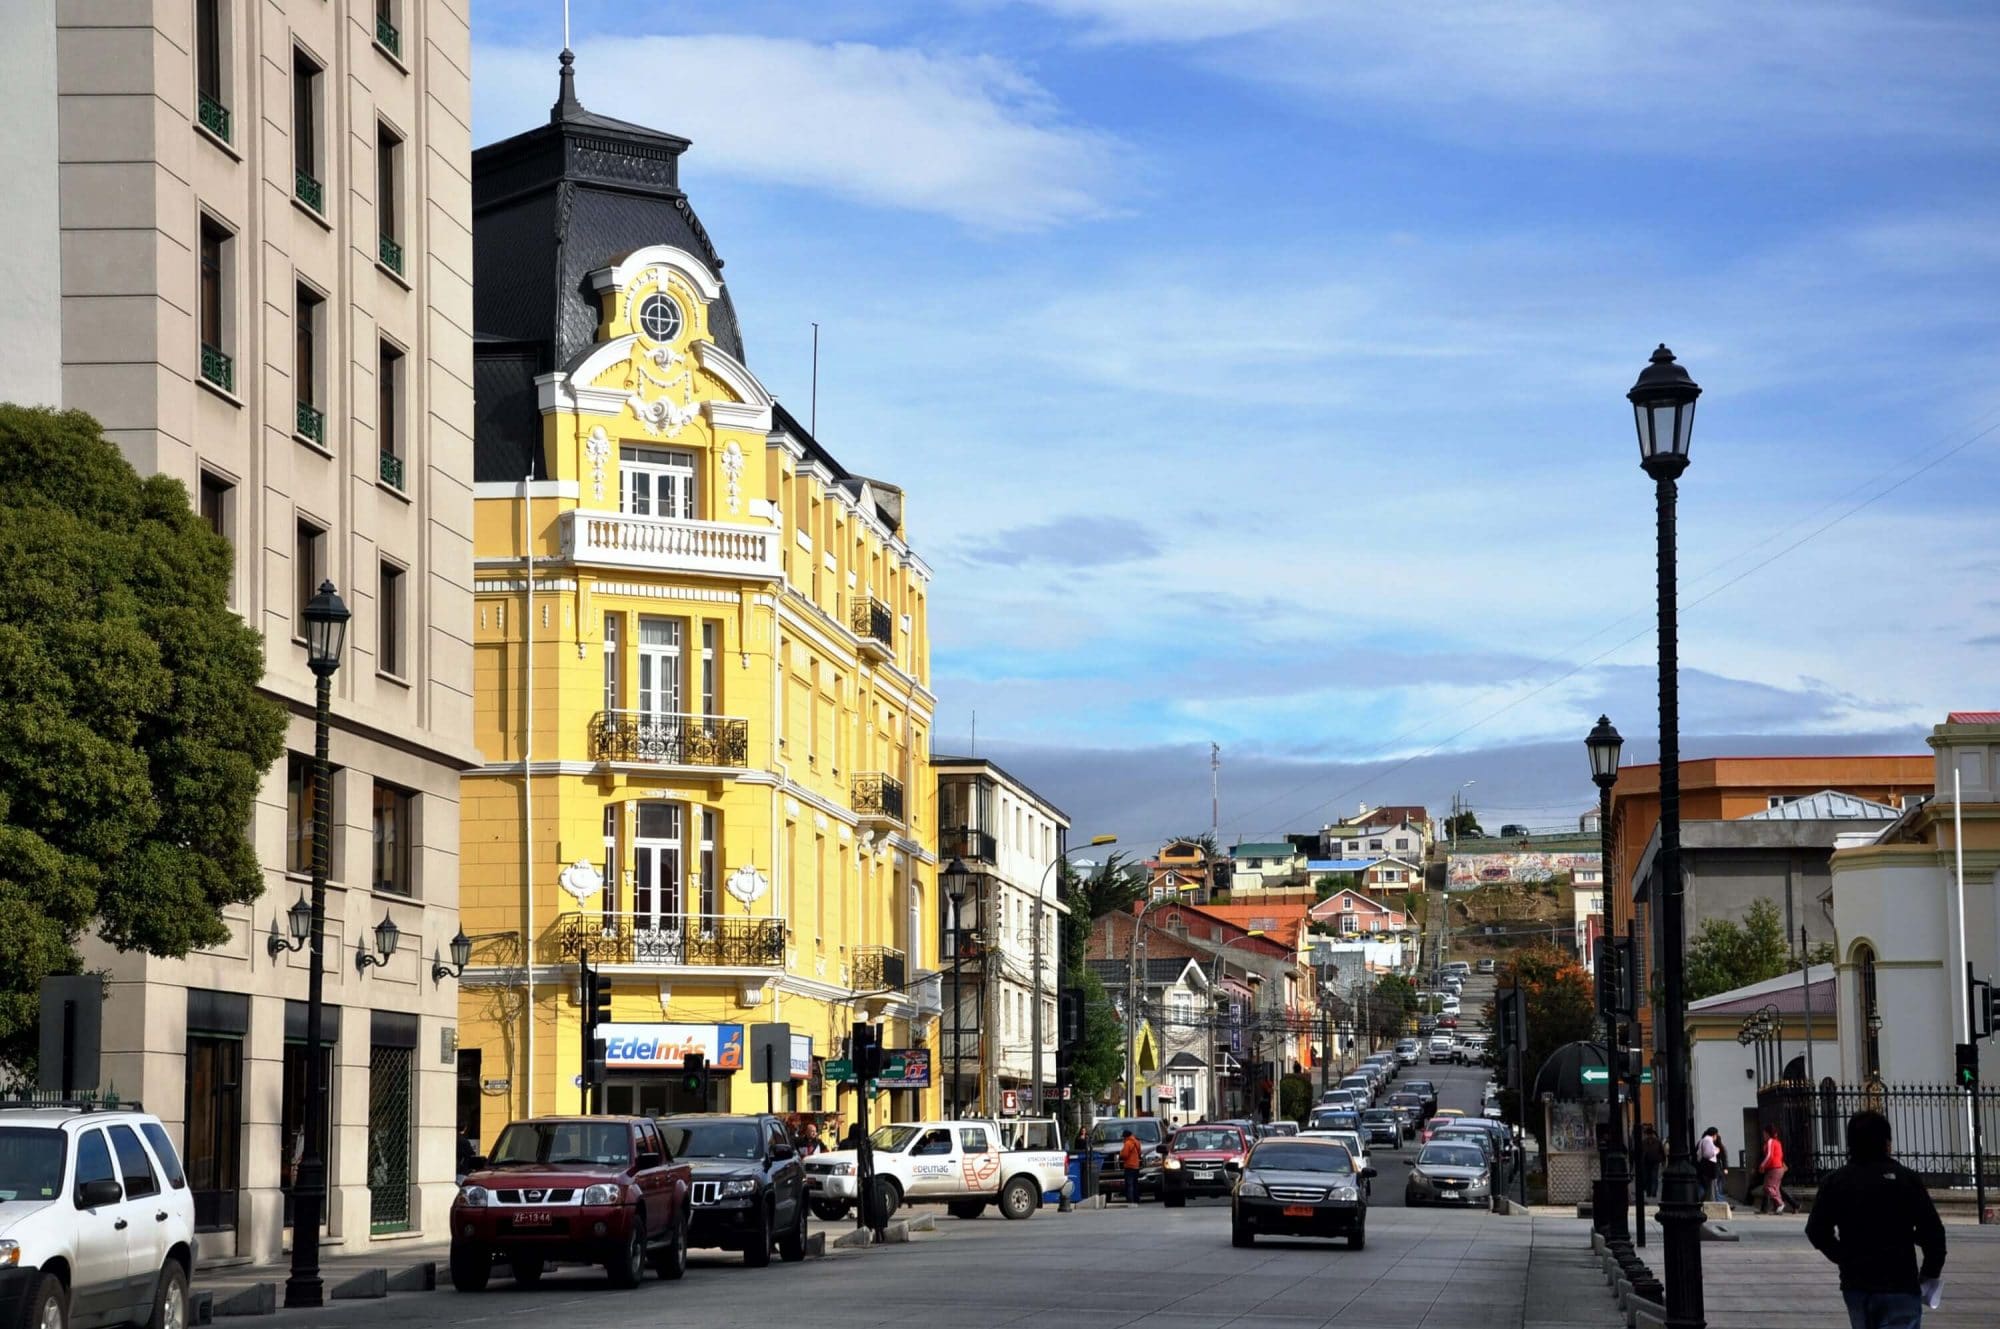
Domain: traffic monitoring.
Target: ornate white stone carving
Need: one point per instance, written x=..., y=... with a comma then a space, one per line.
x=747, y=885
x=598, y=448
x=581, y=879
x=672, y=407
x=732, y=471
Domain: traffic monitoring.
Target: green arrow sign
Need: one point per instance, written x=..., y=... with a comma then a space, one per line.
x=894, y=1067
x=1600, y=1075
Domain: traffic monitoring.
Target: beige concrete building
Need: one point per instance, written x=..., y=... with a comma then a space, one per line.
x=244, y=245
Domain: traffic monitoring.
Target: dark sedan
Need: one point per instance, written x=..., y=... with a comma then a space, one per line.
x=1381, y=1126
x=1300, y=1188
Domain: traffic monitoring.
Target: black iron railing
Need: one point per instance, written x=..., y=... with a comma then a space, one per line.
x=391, y=470
x=390, y=252
x=310, y=191
x=1931, y=1126
x=218, y=368
x=878, y=967
x=964, y=842
x=870, y=618
x=691, y=939
x=878, y=796
x=669, y=740
x=213, y=116
x=311, y=423
x=388, y=37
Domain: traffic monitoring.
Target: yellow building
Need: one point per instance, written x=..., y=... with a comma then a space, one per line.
x=701, y=680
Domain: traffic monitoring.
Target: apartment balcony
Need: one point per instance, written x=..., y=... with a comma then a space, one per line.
x=970, y=845
x=388, y=36
x=877, y=968
x=669, y=544
x=878, y=799
x=876, y=626
x=691, y=941
x=212, y=115
x=391, y=471
x=390, y=252
x=710, y=743
x=218, y=368
x=309, y=191
x=311, y=423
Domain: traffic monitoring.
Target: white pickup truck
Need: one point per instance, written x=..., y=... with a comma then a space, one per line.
x=963, y=1165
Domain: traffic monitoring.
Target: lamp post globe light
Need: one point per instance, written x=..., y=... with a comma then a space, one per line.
x=1663, y=410
x=326, y=632
x=1615, y=1167
x=956, y=881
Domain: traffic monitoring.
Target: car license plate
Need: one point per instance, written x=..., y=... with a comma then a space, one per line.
x=1204, y=1174
x=533, y=1218
x=1298, y=1211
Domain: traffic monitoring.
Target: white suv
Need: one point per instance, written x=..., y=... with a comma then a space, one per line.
x=96, y=1220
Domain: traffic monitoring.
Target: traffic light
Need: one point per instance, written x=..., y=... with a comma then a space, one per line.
x=598, y=998
x=1968, y=1065
x=694, y=1074
x=865, y=1050
x=1069, y=1020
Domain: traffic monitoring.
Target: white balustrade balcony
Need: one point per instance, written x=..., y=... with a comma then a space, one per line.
x=669, y=544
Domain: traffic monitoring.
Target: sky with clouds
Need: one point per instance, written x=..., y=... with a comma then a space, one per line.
x=1256, y=370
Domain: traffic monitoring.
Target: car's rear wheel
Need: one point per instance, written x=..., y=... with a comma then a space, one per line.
x=49, y=1307
x=527, y=1269
x=792, y=1246
x=170, y=1298
x=628, y=1266
x=471, y=1267
x=1018, y=1198
x=672, y=1259
x=757, y=1253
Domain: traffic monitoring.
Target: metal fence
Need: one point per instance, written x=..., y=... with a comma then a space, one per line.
x=1930, y=1128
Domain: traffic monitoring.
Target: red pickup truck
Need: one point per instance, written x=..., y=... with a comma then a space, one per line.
x=590, y=1190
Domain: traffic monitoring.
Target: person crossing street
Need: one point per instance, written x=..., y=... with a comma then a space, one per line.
x=1130, y=1158
x=1870, y=1218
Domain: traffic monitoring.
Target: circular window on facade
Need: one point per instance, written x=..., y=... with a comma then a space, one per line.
x=659, y=317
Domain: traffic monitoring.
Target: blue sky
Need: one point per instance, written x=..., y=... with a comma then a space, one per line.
x=1256, y=370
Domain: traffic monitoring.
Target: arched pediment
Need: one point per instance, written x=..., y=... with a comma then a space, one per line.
x=692, y=270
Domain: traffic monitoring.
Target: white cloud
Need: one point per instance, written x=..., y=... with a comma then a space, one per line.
x=966, y=137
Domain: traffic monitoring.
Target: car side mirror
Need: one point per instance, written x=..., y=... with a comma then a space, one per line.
x=782, y=1151
x=1232, y=1166
x=97, y=1194
x=646, y=1161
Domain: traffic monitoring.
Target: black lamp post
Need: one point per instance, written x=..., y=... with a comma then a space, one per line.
x=1663, y=408
x=956, y=880
x=1615, y=1167
x=461, y=956
x=326, y=630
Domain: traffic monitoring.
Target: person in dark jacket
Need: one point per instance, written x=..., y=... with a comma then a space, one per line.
x=1869, y=1219
x=1652, y=1157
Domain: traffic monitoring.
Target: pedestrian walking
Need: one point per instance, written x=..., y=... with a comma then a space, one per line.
x=1870, y=1218
x=1652, y=1157
x=1130, y=1155
x=1772, y=1174
x=1708, y=1163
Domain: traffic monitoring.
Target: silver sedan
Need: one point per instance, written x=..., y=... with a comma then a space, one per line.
x=1449, y=1173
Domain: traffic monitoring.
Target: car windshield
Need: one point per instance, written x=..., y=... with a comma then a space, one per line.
x=600, y=1143
x=1421, y=1087
x=1300, y=1156
x=1112, y=1130
x=1401, y=1099
x=31, y=1163
x=892, y=1139
x=713, y=1139
x=1378, y=1114
x=1451, y=1155
x=1206, y=1139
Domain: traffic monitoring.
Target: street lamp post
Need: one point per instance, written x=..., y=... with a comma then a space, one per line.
x=326, y=629
x=1663, y=402
x=955, y=880
x=1604, y=746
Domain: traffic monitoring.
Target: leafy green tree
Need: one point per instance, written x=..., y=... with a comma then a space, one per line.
x=1463, y=824
x=1562, y=1008
x=1099, y=1059
x=1725, y=954
x=132, y=738
x=1295, y=1098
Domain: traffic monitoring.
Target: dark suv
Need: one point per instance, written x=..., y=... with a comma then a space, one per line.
x=749, y=1185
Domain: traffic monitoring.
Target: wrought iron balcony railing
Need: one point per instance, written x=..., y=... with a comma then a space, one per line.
x=392, y=470
x=312, y=423
x=213, y=115
x=218, y=368
x=878, y=796
x=964, y=842
x=310, y=191
x=669, y=740
x=670, y=939
x=878, y=967
x=387, y=36
x=871, y=621
x=391, y=254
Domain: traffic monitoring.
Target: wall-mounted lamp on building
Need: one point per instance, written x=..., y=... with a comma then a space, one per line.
x=299, y=918
x=387, y=937
x=461, y=955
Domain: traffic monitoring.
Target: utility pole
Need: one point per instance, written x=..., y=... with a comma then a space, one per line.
x=1035, y=1020
x=1214, y=790
x=992, y=950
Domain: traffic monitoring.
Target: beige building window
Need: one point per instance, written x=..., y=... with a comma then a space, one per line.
x=309, y=569
x=388, y=198
x=217, y=250
x=394, y=834
x=391, y=464
x=211, y=69
x=309, y=185
x=389, y=617
x=309, y=315
x=300, y=803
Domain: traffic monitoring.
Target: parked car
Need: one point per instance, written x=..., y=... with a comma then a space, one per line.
x=1333, y=1119
x=748, y=1184
x=1363, y=1087
x=1448, y=1172
x=1346, y=1098
x=1300, y=1188
x=1108, y=1133
x=99, y=1220
x=1406, y=1052
x=1202, y=1160
x=596, y=1190
x=962, y=1165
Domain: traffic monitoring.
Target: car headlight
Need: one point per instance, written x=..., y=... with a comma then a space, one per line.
x=1476, y=1184
x=841, y=1169
x=602, y=1193
x=1346, y=1191
x=739, y=1186
x=1253, y=1189
x=10, y=1252
x=1172, y=1164
x=475, y=1197
x=1418, y=1174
